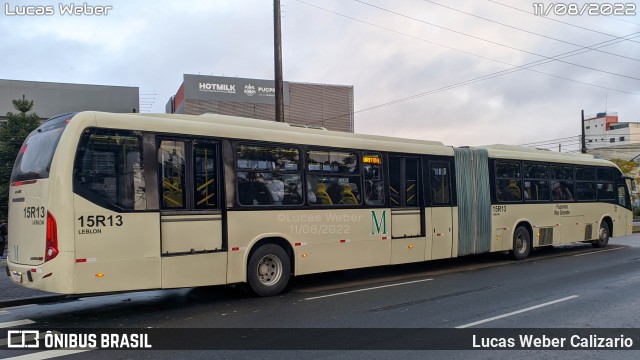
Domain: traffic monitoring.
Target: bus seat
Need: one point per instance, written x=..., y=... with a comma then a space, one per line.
x=322, y=196
x=515, y=189
x=347, y=196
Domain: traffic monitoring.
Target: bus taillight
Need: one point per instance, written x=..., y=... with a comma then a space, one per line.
x=52, y=238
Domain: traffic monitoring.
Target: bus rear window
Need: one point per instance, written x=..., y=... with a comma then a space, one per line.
x=35, y=155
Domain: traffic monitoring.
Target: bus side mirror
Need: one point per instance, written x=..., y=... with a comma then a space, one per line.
x=633, y=185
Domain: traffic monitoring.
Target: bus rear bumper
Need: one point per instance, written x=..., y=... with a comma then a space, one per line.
x=54, y=276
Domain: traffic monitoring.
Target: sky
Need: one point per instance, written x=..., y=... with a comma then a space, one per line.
x=434, y=70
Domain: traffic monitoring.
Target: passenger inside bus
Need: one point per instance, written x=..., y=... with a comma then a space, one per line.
x=560, y=193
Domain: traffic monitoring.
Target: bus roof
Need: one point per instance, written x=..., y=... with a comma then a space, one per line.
x=260, y=130
x=225, y=126
x=529, y=153
x=266, y=124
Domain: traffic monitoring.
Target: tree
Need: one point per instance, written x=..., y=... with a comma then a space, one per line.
x=625, y=166
x=12, y=134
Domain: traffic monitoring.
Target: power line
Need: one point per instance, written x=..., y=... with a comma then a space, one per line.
x=527, y=31
x=467, y=82
x=558, y=21
x=497, y=43
x=458, y=50
x=481, y=78
x=552, y=140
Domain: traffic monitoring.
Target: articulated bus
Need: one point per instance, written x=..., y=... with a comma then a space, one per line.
x=105, y=202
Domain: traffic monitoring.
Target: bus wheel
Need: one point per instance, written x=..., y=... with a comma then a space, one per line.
x=269, y=270
x=603, y=236
x=521, y=243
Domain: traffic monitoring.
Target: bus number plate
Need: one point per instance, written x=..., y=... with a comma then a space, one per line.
x=16, y=276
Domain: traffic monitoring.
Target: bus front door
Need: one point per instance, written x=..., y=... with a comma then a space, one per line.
x=191, y=221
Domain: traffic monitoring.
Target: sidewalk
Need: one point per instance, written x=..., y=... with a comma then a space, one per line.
x=14, y=295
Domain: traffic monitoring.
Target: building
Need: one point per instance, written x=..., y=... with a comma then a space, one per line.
x=609, y=138
x=50, y=99
x=329, y=106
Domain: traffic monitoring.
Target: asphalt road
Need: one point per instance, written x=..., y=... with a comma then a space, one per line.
x=574, y=286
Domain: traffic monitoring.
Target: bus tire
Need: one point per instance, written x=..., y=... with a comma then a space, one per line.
x=521, y=243
x=269, y=270
x=603, y=236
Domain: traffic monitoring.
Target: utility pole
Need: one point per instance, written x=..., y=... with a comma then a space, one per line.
x=277, y=49
x=583, y=141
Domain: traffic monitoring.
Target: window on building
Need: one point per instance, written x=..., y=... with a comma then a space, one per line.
x=621, y=138
x=612, y=140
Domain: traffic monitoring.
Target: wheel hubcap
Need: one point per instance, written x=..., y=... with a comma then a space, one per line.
x=603, y=234
x=269, y=270
x=521, y=244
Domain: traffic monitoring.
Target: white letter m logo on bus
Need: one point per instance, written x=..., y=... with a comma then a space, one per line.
x=23, y=337
x=379, y=228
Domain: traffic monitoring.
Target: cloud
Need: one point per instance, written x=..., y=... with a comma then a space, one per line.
x=151, y=44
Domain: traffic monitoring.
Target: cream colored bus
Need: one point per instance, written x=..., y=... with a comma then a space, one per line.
x=105, y=202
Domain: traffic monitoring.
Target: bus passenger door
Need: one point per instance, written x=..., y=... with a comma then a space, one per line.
x=439, y=174
x=191, y=222
x=407, y=213
x=621, y=226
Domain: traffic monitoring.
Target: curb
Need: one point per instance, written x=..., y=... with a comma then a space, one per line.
x=44, y=299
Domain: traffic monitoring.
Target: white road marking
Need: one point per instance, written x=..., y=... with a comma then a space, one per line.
x=49, y=354
x=16, y=323
x=516, y=312
x=599, y=251
x=367, y=289
x=2, y=312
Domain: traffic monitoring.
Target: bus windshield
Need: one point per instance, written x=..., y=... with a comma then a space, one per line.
x=34, y=159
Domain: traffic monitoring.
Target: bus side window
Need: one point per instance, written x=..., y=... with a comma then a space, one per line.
x=171, y=165
x=373, y=184
x=508, y=181
x=269, y=175
x=109, y=169
x=622, y=195
x=403, y=181
x=333, y=177
x=439, y=172
x=204, y=158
